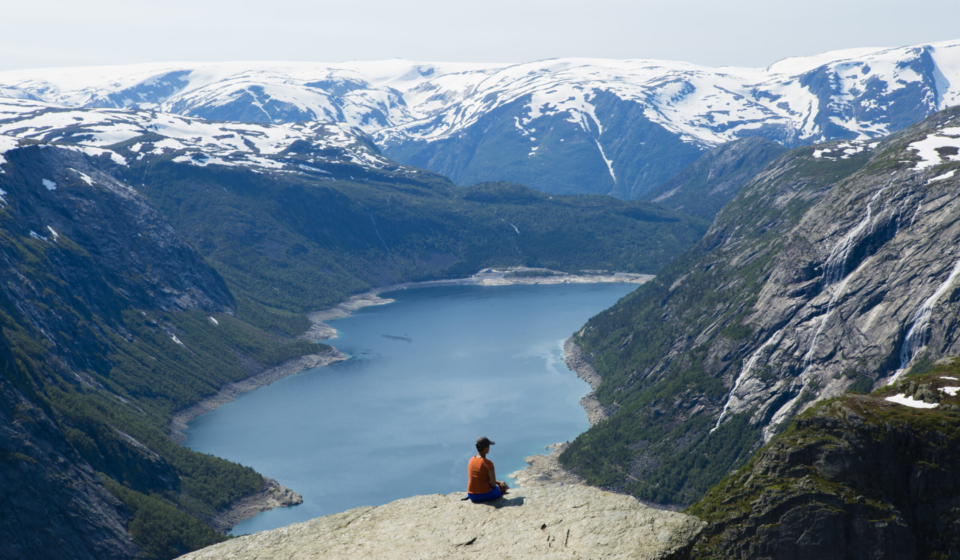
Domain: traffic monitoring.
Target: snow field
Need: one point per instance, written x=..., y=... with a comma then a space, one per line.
x=220, y=143
x=946, y=139
x=910, y=401
x=430, y=101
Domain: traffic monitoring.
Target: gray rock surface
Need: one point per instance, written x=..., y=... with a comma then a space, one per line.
x=556, y=522
x=836, y=268
x=545, y=470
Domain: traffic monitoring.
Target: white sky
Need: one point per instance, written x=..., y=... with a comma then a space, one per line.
x=714, y=33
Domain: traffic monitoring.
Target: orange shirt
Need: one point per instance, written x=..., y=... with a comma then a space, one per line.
x=479, y=481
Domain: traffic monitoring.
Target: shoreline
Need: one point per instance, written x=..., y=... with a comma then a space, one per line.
x=273, y=494
x=320, y=331
x=545, y=470
x=229, y=392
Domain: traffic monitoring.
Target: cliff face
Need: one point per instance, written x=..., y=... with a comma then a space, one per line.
x=832, y=270
x=53, y=503
x=708, y=184
x=103, y=307
x=856, y=477
x=568, y=521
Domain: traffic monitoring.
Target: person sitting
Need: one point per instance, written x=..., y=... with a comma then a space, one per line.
x=483, y=486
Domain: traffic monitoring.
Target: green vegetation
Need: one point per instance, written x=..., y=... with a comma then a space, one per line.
x=866, y=447
x=708, y=184
x=291, y=244
x=161, y=530
x=94, y=348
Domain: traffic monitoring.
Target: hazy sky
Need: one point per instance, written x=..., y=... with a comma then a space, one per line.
x=713, y=33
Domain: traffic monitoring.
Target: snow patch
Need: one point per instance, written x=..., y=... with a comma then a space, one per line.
x=51, y=186
x=910, y=401
x=934, y=149
x=6, y=144
x=83, y=176
x=174, y=338
x=952, y=391
x=53, y=232
x=214, y=321
x=943, y=177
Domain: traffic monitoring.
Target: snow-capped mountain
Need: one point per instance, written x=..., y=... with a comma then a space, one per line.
x=121, y=134
x=563, y=125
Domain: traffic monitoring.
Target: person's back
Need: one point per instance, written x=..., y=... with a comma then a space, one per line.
x=482, y=484
x=479, y=471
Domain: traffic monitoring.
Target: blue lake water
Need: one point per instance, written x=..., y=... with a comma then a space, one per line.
x=428, y=374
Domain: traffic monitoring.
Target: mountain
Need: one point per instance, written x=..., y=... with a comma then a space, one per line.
x=149, y=259
x=854, y=477
x=834, y=269
x=618, y=127
x=708, y=184
x=111, y=322
x=298, y=217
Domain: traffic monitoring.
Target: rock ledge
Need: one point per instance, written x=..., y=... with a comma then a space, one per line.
x=570, y=521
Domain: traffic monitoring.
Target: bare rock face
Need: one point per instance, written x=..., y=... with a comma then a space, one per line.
x=570, y=521
x=835, y=269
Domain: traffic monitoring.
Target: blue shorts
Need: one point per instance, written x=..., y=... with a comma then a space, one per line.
x=491, y=495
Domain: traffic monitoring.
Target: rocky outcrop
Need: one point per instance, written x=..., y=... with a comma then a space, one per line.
x=857, y=477
x=557, y=522
x=545, y=470
x=575, y=360
x=271, y=495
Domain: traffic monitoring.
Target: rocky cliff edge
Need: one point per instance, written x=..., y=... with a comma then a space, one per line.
x=570, y=521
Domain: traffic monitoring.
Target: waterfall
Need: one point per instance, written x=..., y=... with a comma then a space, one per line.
x=836, y=266
x=743, y=375
x=914, y=340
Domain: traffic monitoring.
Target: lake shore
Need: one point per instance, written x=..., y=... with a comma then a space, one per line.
x=274, y=495
x=320, y=331
x=545, y=470
x=229, y=392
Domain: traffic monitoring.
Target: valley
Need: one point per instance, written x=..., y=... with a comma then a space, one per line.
x=174, y=236
x=201, y=277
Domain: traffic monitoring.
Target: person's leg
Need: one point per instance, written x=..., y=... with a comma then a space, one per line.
x=491, y=495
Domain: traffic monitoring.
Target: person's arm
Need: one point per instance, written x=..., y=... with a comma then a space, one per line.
x=491, y=472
